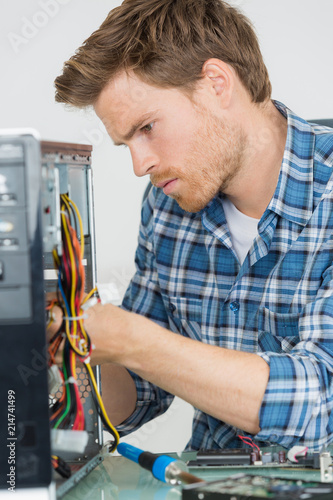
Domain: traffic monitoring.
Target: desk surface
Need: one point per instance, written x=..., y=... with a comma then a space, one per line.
x=116, y=478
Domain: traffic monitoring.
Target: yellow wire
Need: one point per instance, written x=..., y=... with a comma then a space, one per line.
x=56, y=257
x=71, y=202
x=73, y=290
x=73, y=364
x=49, y=323
x=73, y=270
x=89, y=295
x=68, y=203
x=101, y=404
x=73, y=346
x=83, y=331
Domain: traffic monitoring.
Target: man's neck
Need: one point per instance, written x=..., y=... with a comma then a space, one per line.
x=254, y=185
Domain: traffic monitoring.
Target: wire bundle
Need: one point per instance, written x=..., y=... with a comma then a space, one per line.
x=67, y=411
x=61, y=466
x=249, y=441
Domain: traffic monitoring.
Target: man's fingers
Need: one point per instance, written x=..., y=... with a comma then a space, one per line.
x=50, y=297
x=55, y=320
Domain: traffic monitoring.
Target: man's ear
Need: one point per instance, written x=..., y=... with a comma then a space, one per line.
x=219, y=77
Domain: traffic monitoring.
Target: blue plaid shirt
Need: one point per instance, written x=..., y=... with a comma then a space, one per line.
x=277, y=304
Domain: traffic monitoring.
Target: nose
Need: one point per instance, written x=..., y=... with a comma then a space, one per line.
x=144, y=161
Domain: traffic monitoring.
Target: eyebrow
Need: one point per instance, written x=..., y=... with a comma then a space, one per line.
x=133, y=129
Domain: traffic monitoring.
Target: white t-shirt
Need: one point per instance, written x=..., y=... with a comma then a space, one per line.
x=243, y=229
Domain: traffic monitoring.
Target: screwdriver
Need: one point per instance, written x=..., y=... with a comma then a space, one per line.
x=165, y=468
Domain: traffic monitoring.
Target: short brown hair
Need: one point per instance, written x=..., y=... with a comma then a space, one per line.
x=165, y=43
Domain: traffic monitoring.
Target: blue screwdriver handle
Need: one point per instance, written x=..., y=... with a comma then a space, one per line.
x=157, y=464
x=129, y=451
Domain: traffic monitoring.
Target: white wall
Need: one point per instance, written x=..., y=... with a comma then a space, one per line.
x=38, y=35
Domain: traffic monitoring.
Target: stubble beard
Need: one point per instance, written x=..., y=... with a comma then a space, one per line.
x=216, y=158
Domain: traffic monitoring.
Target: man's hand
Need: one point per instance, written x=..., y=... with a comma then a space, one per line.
x=54, y=323
x=55, y=314
x=227, y=384
x=109, y=328
x=118, y=388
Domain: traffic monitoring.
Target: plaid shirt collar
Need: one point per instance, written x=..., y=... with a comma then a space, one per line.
x=293, y=197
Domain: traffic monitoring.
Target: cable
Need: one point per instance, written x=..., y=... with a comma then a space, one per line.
x=61, y=466
x=67, y=411
x=101, y=407
x=249, y=441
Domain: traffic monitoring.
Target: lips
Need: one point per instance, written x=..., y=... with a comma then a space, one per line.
x=164, y=183
x=167, y=185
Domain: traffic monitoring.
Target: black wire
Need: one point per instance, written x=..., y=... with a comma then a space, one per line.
x=66, y=282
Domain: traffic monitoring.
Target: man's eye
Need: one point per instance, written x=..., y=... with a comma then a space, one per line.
x=148, y=128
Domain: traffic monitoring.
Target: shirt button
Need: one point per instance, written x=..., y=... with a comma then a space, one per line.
x=234, y=306
x=172, y=307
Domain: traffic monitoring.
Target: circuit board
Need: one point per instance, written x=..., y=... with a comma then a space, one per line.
x=252, y=458
x=245, y=486
x=255, y=487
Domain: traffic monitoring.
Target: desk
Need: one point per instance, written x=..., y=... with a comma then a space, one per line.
x=116, y=478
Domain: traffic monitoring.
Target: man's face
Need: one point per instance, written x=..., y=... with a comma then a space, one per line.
x=185, y=148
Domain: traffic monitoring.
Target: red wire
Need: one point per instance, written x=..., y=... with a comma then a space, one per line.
x=249, y=441
x=79, y=421
x=79, y=417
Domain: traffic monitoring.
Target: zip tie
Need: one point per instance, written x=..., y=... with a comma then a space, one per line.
x=82, y=344
x=87, y=358
x=76, y=318
x=70, y=380
x=90, y=303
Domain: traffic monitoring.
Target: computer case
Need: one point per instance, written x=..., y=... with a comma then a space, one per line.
x=33, y=175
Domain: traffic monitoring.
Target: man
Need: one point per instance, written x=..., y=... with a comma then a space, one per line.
x=231, y=305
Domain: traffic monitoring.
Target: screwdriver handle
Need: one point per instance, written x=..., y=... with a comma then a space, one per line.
x=157, y=464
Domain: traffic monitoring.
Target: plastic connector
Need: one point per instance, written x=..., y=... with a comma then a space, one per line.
x=326, y=469
x=54, y=379
x=63, y=440
x=109, y=293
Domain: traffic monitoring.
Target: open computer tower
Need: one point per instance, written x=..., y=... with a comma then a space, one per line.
x=33, y=174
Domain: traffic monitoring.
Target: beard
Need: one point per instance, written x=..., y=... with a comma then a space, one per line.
x=213, y=159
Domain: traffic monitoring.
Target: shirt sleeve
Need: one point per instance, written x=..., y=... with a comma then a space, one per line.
x=297, y=404
x=143, y=297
